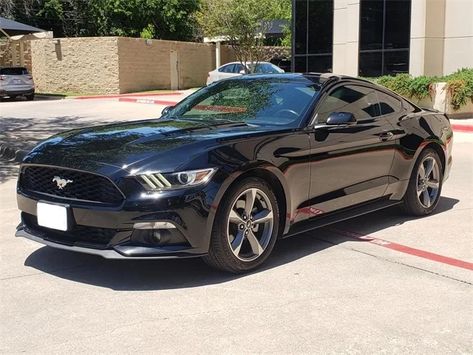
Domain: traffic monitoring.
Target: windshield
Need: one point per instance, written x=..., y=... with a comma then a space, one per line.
x=257, y=100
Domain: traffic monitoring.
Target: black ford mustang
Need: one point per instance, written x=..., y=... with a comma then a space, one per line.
x=234, y=167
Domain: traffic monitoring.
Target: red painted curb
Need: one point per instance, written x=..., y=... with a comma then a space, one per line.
x=462, y=128
x=147, y=101
x=125, y=95
x=406, y=250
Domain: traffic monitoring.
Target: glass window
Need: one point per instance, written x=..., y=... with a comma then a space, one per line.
x=371, y=24
x=13, y=71
x=396, y=62
x=238, y=68
x=267, y=68
x=319, y=64
x=397, y=24
x=388, y=104
x=361, y=101
x=300, y=20
x=320, y=31
x=300, y=64
x=371, y=64
x=313, y=35
x=227, y=68
x=384, y=37
x=261, y=101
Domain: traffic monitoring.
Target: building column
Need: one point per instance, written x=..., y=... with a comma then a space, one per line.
x=346, y=25
x=426, y=53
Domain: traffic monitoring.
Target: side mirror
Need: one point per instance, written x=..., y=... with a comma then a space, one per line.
x=341, y=118
x=166, y=110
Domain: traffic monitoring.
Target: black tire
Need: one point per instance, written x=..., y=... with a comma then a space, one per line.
x=220, y=254
x=30, y=97
x=412, y=204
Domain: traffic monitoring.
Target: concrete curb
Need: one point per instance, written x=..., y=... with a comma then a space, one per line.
x=125, y=95
x=147, y=101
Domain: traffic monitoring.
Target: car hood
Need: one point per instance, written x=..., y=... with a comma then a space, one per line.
x=166, y=145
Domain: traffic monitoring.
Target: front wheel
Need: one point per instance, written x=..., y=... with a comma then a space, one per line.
x=425, y=185
x=246, y=227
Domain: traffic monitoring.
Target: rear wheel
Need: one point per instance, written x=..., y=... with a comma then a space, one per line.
x=425, y=185
x=245, y=228
x=30, y=97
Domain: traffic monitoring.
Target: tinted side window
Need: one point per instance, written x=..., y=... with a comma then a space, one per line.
x=227, y=68
x=237, y=68
x=361, y=101
x=388, y=104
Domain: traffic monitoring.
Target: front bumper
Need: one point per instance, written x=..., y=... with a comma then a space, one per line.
x=116, y=252
x=114, y=232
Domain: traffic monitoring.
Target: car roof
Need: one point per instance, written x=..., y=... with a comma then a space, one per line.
x=246, y=63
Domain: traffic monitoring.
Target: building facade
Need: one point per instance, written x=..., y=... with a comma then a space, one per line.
x=382, y=37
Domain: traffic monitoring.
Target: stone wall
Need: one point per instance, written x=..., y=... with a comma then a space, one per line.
x=76, y=65
x=112, y=65
x=15, y=53
x=146, y=64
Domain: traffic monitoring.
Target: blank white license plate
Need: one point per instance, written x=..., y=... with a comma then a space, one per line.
x=52, y=216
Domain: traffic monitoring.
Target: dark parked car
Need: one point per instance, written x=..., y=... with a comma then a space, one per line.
x=234, y=167
x=16, y=81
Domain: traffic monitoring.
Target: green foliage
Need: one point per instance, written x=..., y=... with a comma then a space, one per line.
x=459, y=86
x=164, y=19
x=241, y=22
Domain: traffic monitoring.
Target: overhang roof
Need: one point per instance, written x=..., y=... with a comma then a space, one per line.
x=13, y=28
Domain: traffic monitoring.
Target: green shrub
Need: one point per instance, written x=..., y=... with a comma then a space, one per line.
x=459, y=86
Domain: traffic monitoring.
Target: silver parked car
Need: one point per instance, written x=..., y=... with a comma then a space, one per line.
x=16, y=81
x=230, y=70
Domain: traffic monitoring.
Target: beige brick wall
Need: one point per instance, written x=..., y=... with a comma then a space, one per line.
x=145, y=64
x=111, y=65
x=77, y=65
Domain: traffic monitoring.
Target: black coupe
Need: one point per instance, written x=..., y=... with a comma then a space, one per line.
x=232, y=168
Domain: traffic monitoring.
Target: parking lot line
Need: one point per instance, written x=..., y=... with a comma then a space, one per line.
x=406, y=249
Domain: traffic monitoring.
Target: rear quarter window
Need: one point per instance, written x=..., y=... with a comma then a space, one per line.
x=388, y=104
x=13, y=71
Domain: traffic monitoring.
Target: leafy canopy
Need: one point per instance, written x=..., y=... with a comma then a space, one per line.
x=241, y=22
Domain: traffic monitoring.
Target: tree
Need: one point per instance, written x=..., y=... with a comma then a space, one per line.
x=242, y=22
x=164, y=19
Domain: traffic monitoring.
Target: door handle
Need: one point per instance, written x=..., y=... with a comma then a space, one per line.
x=385, y=136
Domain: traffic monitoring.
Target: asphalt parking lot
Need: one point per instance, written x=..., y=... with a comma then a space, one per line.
x=381, y=283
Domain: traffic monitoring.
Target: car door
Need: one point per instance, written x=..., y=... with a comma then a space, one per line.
x=350, y=163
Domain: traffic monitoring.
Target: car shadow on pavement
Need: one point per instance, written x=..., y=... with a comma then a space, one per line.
x=22, y=134
x=146, y=275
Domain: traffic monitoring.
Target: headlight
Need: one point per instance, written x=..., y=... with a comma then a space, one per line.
x=169, y=181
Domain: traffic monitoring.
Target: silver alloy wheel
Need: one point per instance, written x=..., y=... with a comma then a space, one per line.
x=428, y=181
x=250, y=224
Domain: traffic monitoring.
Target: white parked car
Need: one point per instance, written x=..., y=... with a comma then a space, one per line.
x=236, y=68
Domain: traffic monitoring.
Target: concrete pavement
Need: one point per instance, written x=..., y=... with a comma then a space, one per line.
x=321, y=292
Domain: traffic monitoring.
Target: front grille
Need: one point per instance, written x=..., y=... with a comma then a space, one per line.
x=80, y=185
x=78, y=235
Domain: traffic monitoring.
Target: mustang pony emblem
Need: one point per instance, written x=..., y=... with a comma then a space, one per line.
x=61, y=183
